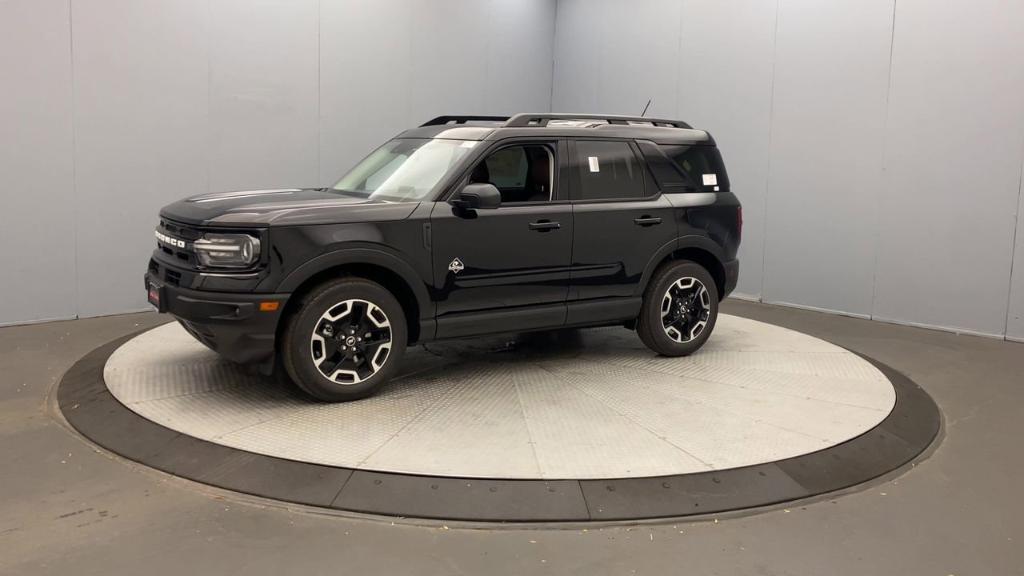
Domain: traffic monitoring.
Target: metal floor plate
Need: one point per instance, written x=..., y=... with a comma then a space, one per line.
x=581, y=404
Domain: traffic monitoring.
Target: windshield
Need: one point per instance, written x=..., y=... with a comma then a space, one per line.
x=404, y=169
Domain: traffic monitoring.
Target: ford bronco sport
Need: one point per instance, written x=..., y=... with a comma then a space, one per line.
x=464, y=226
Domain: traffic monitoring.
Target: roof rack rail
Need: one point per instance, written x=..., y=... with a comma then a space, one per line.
x=542, y=119
x=442, y=120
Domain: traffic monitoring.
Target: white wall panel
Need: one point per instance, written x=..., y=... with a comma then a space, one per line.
x=638, y=57
x=864, y=191
x=825, y=162
x=263, y=94
x=37, y=215
x=953, y=158
x=449, y=58
x=387, y=66
x=520, y=37
x=614, y=55
x=363, y=100
x=577, y=75
x=140, y=70
x=725, y=82
x=876, y=193
x=177, y=98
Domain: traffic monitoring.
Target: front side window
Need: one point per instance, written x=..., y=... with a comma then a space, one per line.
x=522, y=173
x=404, y=169
x=608, y=170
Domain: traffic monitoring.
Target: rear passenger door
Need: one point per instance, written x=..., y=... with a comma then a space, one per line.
x=620, y=220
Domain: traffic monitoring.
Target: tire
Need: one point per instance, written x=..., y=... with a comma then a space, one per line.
x=692, y=302
x=335, y=363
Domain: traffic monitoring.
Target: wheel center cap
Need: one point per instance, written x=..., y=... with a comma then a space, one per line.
x=350, y=341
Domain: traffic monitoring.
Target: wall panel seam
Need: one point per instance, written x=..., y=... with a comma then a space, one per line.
x=768, y=167
x=485, y=88
x=74, y=158
x=679, y=56
x=554, y=50
x=318, y=178
x=209, y=92
x=885, y=140
x=1013, y=250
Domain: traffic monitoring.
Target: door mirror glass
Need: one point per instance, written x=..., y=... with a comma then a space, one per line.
x=478, y=197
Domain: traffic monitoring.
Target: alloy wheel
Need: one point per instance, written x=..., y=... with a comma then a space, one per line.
x=351, y=341
x=685, y=309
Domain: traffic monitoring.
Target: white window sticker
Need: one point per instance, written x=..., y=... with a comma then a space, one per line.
x=711, y=179
x=595, y=166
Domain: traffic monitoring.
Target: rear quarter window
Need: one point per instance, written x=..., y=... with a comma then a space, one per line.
x=686, y=168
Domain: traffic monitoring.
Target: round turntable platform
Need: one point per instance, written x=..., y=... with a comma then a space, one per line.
x=571, y=425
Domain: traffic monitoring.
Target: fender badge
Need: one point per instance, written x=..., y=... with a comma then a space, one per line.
x=456, y=266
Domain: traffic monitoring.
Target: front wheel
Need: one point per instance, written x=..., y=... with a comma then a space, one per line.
x=679, y=310
x=345, y=340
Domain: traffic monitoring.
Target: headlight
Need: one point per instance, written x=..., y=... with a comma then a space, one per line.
x=227, y=250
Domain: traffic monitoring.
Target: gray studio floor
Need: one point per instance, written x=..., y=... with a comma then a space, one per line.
x=68, y=508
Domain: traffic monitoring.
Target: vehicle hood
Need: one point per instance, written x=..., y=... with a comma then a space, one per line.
x=281, y=207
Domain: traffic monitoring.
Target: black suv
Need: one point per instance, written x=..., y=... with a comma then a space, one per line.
x=464, y=226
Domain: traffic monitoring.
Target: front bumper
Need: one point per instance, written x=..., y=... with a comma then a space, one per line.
x=231, y=324
x=732, y=274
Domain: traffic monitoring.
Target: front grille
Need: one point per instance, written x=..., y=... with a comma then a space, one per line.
x=184, y=257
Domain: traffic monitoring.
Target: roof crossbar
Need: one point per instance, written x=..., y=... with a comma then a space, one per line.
x=542, y=119
x=442, y=120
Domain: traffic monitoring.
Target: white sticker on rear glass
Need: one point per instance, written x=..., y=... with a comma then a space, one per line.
x=711, y=179
x=595, y=166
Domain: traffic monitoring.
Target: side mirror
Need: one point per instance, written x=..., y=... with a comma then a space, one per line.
x=477, y=197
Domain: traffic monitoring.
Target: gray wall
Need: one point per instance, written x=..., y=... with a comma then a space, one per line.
x=877, y=145
x=113, y=108
x=37, y=265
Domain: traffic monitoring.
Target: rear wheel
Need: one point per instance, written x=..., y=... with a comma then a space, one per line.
x=679, y=310
x=345, y=340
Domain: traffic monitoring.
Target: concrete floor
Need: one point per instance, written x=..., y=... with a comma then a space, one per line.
x=69, y=508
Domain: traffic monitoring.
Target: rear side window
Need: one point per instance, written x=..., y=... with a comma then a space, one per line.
x=685, y=168
x=607, y=170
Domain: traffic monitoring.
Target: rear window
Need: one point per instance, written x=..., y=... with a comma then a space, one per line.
x=686, y=168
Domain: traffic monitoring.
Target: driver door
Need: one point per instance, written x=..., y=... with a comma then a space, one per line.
x=506, y=269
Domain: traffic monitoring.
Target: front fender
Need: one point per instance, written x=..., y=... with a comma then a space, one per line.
x=375, y=255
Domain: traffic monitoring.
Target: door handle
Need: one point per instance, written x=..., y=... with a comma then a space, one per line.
x=544, y=225
x=647, y=221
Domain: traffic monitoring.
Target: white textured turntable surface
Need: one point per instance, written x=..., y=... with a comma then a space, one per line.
x=581, y=404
